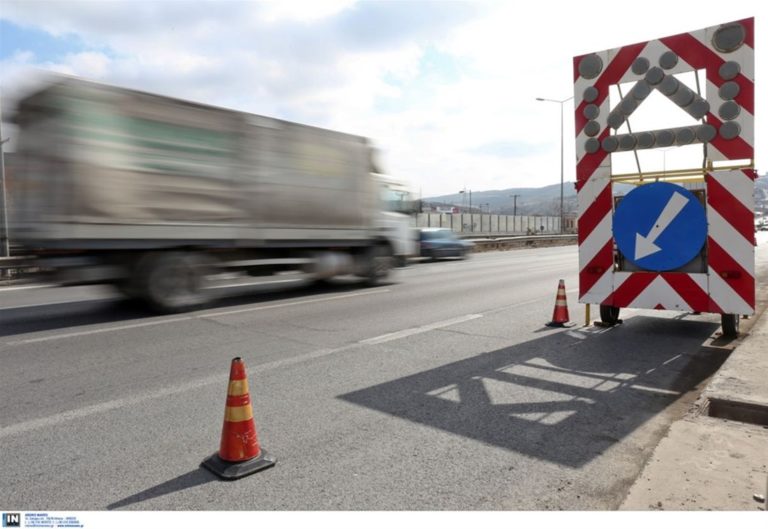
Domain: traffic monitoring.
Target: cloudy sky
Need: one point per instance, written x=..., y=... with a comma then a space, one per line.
x=446, y=89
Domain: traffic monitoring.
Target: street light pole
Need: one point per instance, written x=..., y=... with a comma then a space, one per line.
x=664, y=154
x=562, y=166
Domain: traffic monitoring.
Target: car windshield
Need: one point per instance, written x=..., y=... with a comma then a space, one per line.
x=437, y=234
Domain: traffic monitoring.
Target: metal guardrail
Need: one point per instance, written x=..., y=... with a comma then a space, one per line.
x=486, y=244
x=16, y=267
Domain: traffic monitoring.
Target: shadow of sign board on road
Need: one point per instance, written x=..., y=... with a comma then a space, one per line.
x=556, y=398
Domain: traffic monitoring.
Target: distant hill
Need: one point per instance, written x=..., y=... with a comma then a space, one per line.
x=543, y=200
x=530, y=201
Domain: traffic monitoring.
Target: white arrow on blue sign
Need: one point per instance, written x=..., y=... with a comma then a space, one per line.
x=660, y=226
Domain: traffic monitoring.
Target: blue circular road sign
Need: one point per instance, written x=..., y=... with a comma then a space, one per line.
x=660, y=226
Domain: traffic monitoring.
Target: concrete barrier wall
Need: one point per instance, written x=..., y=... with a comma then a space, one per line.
x=469, y=223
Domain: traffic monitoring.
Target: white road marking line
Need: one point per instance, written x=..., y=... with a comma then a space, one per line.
x=103, y=407
x=23, y=287
x=418, y=330
x=576, y=334
x=191, y=317
x=660, y=391
x=97, y=331
x=290, y=304
x=70, y=415
x=99, y=300
x=672, y=359
x=219, y=378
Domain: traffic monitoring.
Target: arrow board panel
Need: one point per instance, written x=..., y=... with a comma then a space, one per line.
x=660, y=226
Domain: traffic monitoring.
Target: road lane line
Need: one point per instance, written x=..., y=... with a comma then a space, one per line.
x=672, y=359
x=23, y=287
x=86, y=411
x=97, y=331
x=660, y=391
x=219, y=378
x=418, y=330
x=70, y=415
x=191, y=317
x=292, y=303
x=53, y=303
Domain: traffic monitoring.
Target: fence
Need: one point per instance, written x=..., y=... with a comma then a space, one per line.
x=484, y=224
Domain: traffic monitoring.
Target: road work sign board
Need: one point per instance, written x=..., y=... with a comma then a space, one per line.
x=660, y=226
x=662, y=246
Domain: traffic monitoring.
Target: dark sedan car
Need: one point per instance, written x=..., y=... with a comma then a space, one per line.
x=442, y=242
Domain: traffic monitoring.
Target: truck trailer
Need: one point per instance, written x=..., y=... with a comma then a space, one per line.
x=175, y=202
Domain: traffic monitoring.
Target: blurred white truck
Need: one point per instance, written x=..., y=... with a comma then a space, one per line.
x=175, y=202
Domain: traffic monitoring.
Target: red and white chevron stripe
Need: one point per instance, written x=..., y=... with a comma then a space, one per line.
x=728, y=286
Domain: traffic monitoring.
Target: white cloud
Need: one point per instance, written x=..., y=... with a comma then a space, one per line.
x=433, y=83
x=89, y=64
x=304, y=11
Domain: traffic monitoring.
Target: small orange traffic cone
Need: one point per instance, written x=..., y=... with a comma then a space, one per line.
x=560, y=314
x=239, y=453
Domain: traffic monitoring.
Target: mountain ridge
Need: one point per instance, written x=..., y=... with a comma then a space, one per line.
x=544, y=200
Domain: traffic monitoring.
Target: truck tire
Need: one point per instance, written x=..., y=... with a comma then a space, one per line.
x=730, y=325
x=127, y=288
x=379, y=260
x=609, y=314
x=173, y=281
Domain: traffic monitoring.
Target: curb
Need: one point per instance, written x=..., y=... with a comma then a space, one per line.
x=715, y=457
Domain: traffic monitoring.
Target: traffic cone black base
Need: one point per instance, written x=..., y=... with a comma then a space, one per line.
x=230, y=471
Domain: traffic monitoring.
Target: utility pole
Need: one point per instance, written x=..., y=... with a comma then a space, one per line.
x=4, y=243
x=514, y=204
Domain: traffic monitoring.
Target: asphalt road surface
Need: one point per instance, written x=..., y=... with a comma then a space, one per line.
x=442, y=389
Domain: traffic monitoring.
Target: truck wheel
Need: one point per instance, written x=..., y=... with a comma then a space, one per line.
x=730, y=324
x=379, y=262
x=609, y=314
x=173, y=281
x=127, y=287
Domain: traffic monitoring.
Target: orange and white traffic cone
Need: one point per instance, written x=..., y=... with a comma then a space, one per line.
x=560, y=314
x=239, y=453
